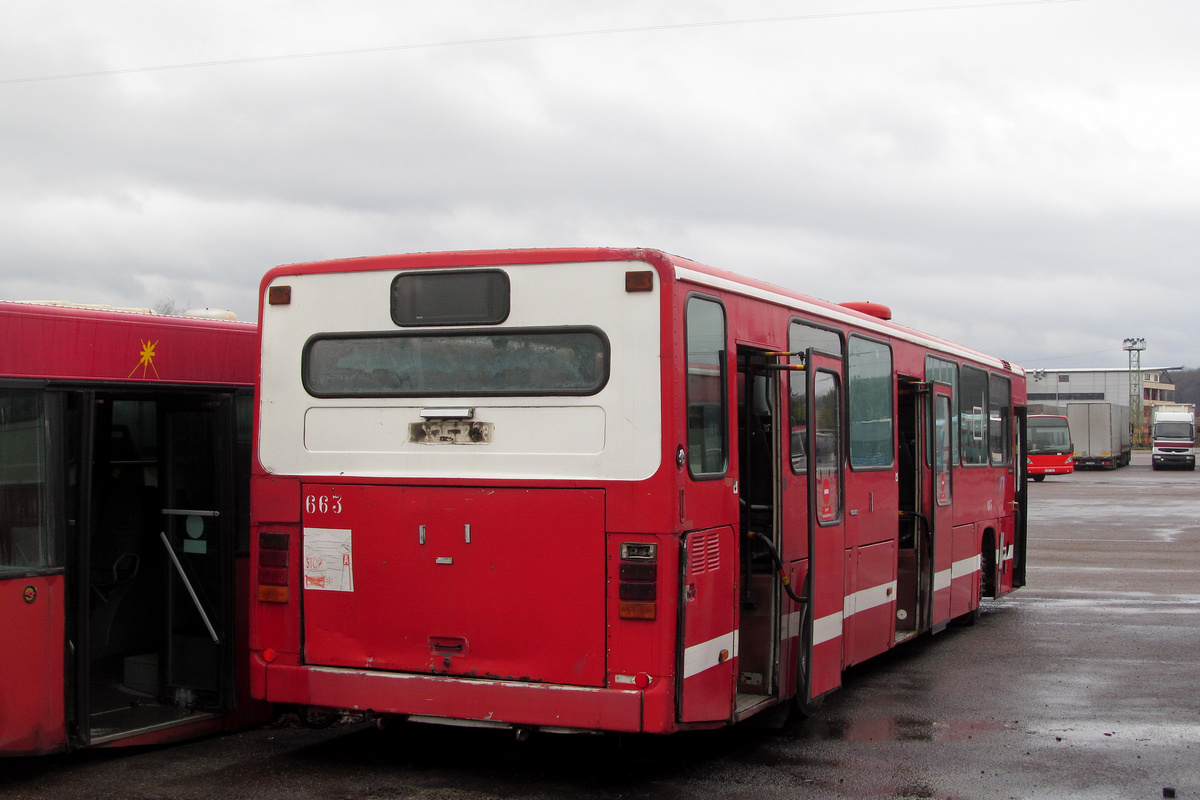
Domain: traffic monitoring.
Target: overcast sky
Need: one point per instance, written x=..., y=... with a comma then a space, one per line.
x=1020, y=177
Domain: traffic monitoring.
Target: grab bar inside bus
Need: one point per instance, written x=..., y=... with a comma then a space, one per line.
x=183, y=577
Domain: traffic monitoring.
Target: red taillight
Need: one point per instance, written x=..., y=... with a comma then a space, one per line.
x=272, y=577
x=273, y=563
x=637, y=585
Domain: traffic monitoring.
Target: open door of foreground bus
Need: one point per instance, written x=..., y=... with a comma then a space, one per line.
x=152, y=633
x=924, y=475
x=824, y=587
x=936, y=500
x=790, y=481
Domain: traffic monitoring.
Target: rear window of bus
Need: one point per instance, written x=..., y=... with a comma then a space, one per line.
x=515, y=362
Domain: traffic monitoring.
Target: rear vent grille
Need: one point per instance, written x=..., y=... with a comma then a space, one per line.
x=704, y=552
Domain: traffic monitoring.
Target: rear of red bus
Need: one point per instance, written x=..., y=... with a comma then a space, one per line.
x=454, y=515
x=1051, y=451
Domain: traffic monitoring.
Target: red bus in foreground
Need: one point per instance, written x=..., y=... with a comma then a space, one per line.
x=1051, y=451
x=609, y=489
x=124, y=460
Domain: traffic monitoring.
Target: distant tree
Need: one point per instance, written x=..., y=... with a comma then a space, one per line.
x=168, y=307
x=1187, y=385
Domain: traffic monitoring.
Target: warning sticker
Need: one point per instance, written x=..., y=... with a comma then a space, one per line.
x=328, y=559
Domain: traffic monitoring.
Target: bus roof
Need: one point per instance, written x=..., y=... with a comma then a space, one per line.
x=50, y=341
x=669, y=266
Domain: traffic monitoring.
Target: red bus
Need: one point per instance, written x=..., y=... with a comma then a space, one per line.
x=1051, y=451
x=124, y=511
x=609, y=489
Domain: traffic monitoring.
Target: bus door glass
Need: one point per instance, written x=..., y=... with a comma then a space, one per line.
x=938, y=499
x=32, y=596
x=198, y=530
x=826, y=585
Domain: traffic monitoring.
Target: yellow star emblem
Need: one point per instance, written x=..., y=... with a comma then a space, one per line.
x=147, y=359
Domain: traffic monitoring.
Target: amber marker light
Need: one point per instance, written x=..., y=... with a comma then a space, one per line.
x=638, y=611
x=639, y=281
x=273, y=594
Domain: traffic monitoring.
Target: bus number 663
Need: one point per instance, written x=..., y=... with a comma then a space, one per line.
x=322, y=504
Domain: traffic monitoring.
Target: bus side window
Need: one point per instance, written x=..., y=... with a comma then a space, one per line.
x=999, y=420
x=25, y=541
x=706, y=414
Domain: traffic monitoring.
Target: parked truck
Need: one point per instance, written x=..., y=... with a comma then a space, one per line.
x=1101, y=434
x=1173, y=428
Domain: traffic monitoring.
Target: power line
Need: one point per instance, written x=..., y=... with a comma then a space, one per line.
x=528, y=38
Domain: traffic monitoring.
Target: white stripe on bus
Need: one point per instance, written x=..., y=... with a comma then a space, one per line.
x=705, y=655
x=866, y=599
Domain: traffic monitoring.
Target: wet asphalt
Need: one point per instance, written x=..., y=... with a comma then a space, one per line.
x=1083, y=684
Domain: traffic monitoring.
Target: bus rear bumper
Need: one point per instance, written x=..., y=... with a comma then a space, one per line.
x=489, y=701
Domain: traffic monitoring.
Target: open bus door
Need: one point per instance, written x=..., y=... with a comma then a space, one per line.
x=936, y=501
x=199, y=535
x=758, y=603
x=153, y=625
x=824, y=586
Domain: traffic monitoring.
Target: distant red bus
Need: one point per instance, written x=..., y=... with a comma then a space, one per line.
x=1051, y=451
x=609, y=489
x=124, y=455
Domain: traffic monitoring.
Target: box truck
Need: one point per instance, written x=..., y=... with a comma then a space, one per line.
x=1101, y=434
x=1173, y=428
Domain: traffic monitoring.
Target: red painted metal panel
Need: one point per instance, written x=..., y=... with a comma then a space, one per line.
x=507, y=584
x=872, y=497
x=1052, y=464
x=65, y=343
x=829, y=539
x=1004, y=538
x=827, y=666
x=32, y=714
x=964, y=588
x=871, y=627
x=506, y=702
x=710, y=600
x=643, y=645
